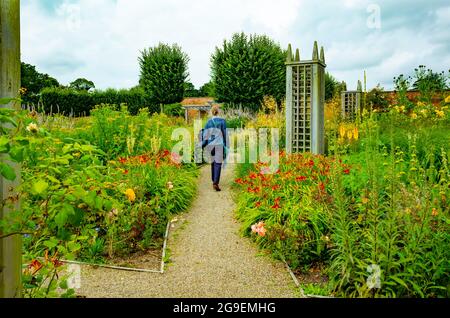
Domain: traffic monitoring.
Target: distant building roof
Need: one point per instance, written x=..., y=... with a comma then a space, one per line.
x=198, y=101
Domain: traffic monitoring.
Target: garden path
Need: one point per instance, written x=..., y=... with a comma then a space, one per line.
x=208, y=258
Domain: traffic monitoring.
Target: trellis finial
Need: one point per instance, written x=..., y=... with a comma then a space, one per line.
x=315, y=56
x=322, y=55
x=289, y=54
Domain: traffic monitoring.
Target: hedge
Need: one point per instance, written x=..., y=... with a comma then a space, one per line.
x=78, y=103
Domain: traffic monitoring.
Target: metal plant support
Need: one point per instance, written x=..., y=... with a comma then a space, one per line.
x=351, y=103
x=305, y=101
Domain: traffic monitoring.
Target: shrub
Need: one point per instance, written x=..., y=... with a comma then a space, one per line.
x=80, y=102
x=246, y=69
x=164, y=73
x=174, y=110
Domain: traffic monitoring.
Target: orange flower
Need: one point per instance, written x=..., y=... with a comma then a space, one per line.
x=434, y=212
x=35, y=265
x=130, y=195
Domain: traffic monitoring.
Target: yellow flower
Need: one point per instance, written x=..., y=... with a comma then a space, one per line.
x=447, y=99
x=32, y=128
x=349, y=135
x=355, y=133
x=342, y=131
x=420, y=104
x=130, y=195
x=413, y=115
x=440, y=113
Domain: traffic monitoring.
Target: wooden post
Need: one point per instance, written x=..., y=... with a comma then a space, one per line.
x=10, y=247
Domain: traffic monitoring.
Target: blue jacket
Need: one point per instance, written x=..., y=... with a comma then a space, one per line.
x=211, y=135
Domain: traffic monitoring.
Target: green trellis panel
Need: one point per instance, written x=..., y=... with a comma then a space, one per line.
x=305, y=100
x=351, y=103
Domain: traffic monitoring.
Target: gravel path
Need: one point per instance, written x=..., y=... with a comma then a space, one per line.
x=208, y=258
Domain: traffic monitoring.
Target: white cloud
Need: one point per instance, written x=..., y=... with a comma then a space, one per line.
x=101, y=39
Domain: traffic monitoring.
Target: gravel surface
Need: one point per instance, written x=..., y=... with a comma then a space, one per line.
x=208, y=258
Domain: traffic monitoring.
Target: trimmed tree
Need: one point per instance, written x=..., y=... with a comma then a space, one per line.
x=164, y=73
x=247, y=68
x=82, y=84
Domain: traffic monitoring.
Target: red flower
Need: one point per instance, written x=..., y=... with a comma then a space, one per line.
x=166, y=153
x=321, y=186
x=35, y=265
x=301, y=178
x=257, y=204
x=239, y=181
x=311, y=163
x=122, y=160
x=126, y=172
x=253, y=176
x=275, y=187
x=276, y=205
x=347, y=171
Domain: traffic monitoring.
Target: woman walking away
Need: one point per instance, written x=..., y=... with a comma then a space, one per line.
x=216, y=141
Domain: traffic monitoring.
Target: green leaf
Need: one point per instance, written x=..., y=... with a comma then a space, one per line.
x=7, y=171
x=73, y=246
x=52, y=243
x=63, y=284
x=40, y=187
x=16, y=153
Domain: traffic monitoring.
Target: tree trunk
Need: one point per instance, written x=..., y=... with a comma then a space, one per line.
x=10, y=247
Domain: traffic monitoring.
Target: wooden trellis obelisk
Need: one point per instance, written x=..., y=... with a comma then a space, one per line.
x=351, y=102
x=10, y=247
x=305, y=102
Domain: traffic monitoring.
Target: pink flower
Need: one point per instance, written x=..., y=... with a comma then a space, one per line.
x=176, y=158
x=259, y=229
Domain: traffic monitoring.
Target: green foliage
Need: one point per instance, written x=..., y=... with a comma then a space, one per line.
x=34, y=82
x=376, y=99
x=428, y=82
x=331, y=84
x=80, y=102
x=106, y=187
x=207, y=90
x=164, y=73
x=174, y=110
x=190, y=90
x=82, y=84
x=247, y=68
x=381, y=204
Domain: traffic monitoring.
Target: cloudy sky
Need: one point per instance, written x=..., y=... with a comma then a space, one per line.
x=102, y=39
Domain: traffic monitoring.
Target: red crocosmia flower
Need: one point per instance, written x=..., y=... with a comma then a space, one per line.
x=35, y=265
x=258, y=204
x=301, y=178
x=166, y=153
x=322, y=186
x=253, y=176
x=122, y=160
x=275, y=187
x=311, y=163
x=239, y=181
x=126, y=172
x=347, y=171
x=276, y=206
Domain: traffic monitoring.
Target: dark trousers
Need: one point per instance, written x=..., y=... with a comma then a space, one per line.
x=216, y=169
